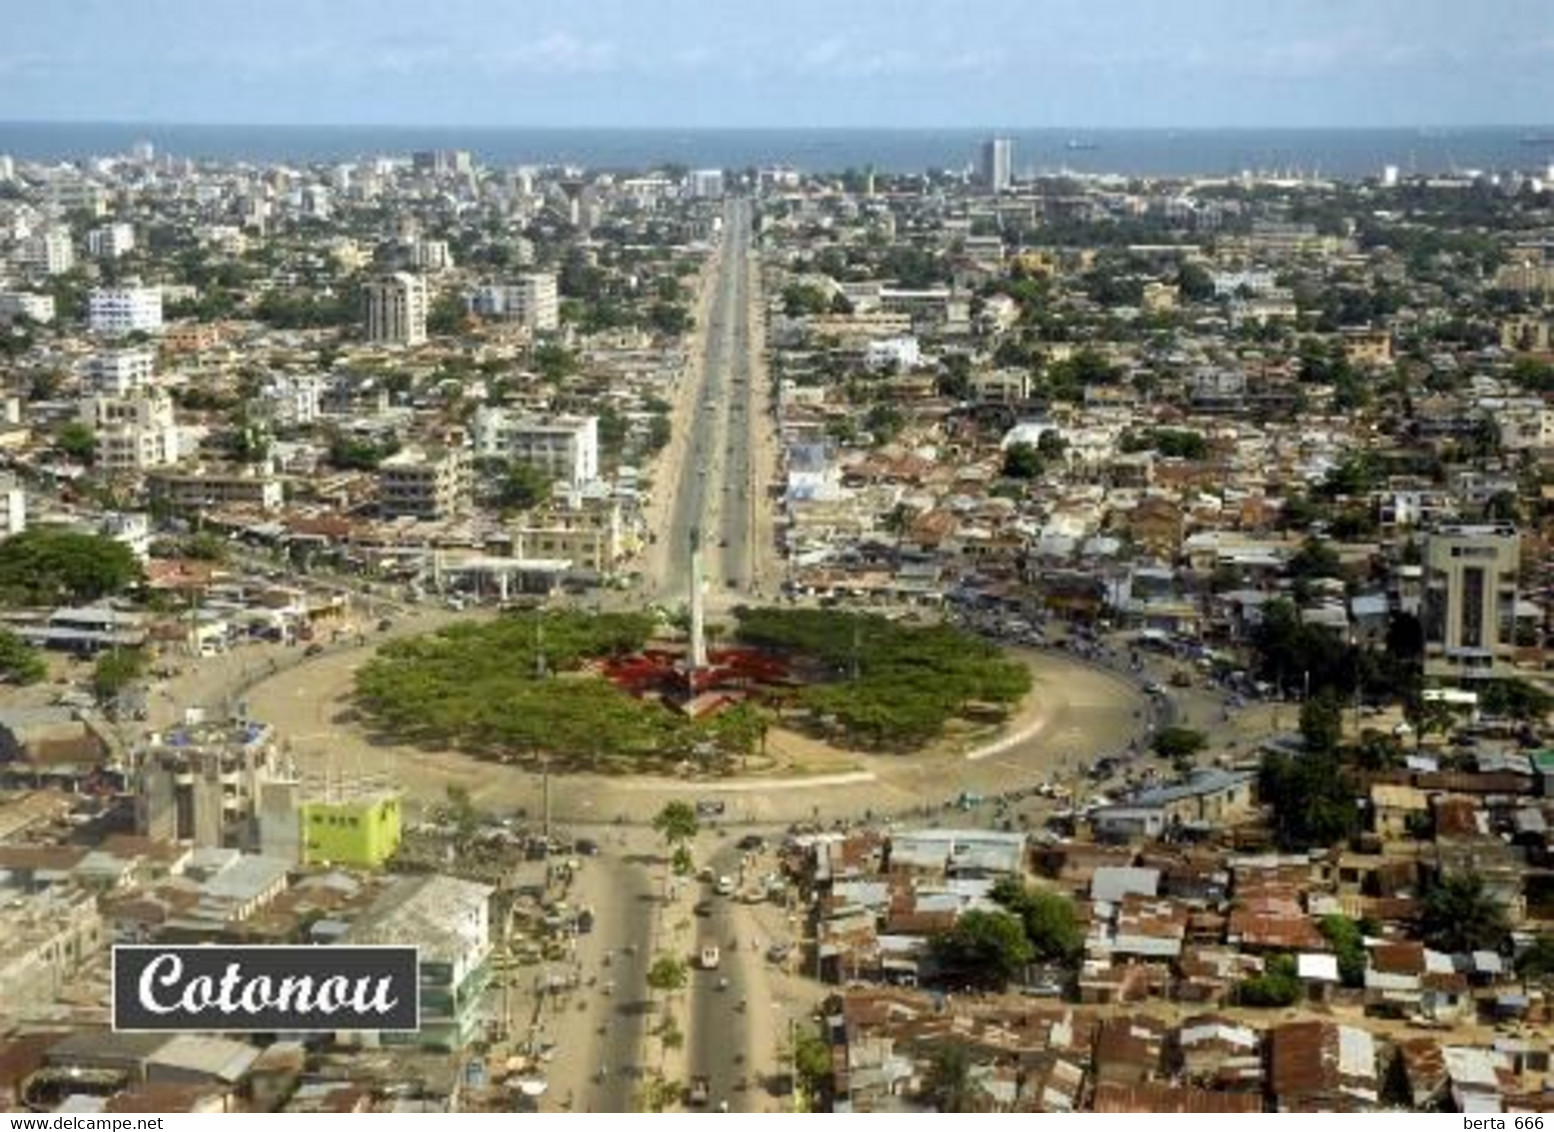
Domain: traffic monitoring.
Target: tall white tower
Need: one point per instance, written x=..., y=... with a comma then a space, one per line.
x=698, y=659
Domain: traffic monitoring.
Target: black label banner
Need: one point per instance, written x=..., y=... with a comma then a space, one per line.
x=265, y=988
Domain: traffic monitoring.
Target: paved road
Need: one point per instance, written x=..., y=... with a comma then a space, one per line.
x=721, y=1012
x=713, y=486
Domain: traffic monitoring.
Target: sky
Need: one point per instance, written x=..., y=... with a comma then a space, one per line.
x=782, y=63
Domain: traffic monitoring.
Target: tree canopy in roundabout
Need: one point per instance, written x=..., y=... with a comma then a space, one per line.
x=864, y=681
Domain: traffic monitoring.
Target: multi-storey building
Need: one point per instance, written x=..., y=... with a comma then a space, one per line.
x=1470, y=577
x=396, y=307
x=13, y=507
x=133, y=433
x=424, y=484
x=111, y=241
x=118, y=373
x=49, y=251
x=22, y=304
x=564, y=447
x=532, y=301
x=997, y=171
x=124, y=310
x=198, y=491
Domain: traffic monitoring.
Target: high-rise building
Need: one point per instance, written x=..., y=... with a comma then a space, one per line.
x=396, y=309
x=1470, y=601
x=132, y=433
x=118, y=373
x=124, y=310
x=997, y=170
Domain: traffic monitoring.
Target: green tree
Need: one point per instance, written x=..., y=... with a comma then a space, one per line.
x=676, y=823
x=1310, y=802
x=667, y=974
x=812, y=1061
x=1179, y=744
x=77, y=441
x=1536, y=964
x=1278, y=985
x=20, y=663
x=1050, y=919
x=1321, y=722
x=448, y=315
x=988, y=948
x=1022, y=461
x=115, y=671
x=1348, y=940
x=1459, y=913
x=949, y=1082
x=47, y=565
x=524, y=486
x=461, y=811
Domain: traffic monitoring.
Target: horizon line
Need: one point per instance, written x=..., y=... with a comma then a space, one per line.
x=152, y=123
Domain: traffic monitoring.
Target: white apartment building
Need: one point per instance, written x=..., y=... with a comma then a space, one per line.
x=430, y=255
x=706, y=184
x=532, y=301
x=118, y=373
x=24, y=304
x=124, y=310
x=111, y=241
x=49, y=251
x=133, y=433
x=564, y=447
x=294, y=398
x=424, y=484
x=396, y=309
x=13, y=507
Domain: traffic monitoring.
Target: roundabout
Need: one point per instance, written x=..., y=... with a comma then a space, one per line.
x=1074, y=713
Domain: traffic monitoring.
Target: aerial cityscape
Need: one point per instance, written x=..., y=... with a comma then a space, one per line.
x=626, y=612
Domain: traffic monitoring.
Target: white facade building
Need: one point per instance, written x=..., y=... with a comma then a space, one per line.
x=564, y=447
x=903, y=353
x=133, y=433
x=396, y=309
x=49, y=251
x=13, y=507
x=111, y=241
x=14, y=304
x=706, y=184
x=294, y=398
x=124, y=310
x=430, y=255
x=118, y=373
x=532, y=301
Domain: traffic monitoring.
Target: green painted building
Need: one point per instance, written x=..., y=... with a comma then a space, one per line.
x=363, y=832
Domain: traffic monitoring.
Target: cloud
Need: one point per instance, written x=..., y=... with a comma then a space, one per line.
x=558, y=53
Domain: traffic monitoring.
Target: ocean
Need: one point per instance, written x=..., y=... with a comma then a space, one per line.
x=1338, y=153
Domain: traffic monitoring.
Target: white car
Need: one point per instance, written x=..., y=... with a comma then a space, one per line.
x=725, y=886
x=710, y=958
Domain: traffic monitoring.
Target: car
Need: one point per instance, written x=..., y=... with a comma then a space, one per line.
x=778, y=952
x=385, y=625
x=710, y=808
x=750, y=843
x=1155, y=688
x=585, y=921
x=586, y=847
x=702, y=908
x=313, y=650
x=725, y=886
x=710, y=958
